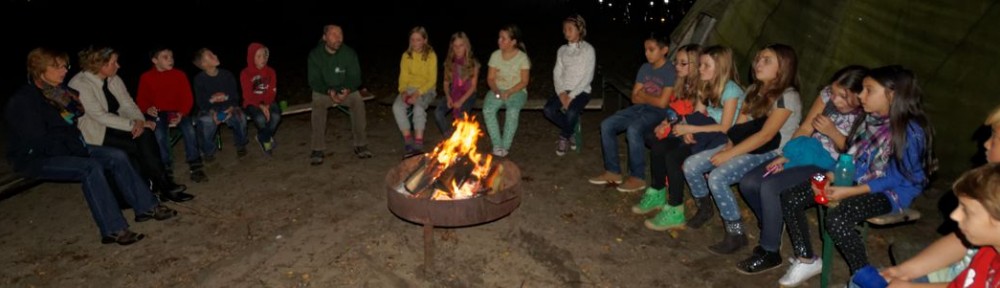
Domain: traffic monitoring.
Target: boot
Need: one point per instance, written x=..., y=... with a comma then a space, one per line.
x=170, y=191
x=734, y=240
x=706, y=209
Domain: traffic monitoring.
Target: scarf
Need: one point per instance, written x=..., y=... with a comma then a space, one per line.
x=872, y=149
x=63, y=100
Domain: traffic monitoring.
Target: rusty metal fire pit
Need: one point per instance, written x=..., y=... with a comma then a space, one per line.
x=451, y=213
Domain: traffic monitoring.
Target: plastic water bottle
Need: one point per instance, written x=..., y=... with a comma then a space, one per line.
x=843, y=173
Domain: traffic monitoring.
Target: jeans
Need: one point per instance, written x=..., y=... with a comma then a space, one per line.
x=444, y=116
x=720, y=178
x=636, y=121
x=419, y=112
x=236, y=121
x=763, y=195
x=265, y=128
x=91, y=171
x=566, y=119
x=191, y=151
x=503, y=138
x=321, y=102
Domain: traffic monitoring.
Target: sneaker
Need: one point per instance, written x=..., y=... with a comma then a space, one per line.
x=668, y=218
x=868, y=276
x=500, y=152
x=362, y=152
x=159, y=213
x=632, y=184
x=606, y=178
x=572, y=145
x=653, y=199
x=198, y=176
x=761, y=260
x=316, y=158
x=800, y=272
x=561, y=146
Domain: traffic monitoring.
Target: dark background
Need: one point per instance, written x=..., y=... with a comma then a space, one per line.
x=376, y=29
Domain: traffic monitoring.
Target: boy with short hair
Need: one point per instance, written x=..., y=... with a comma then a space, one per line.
x=978, y=216
x=259, y=89
x=218, y=99
x=165, y=95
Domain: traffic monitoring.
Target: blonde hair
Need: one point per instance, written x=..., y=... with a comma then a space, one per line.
x=994, y=119
x=710, y=92
x=427, y=49
x=682, y=85
x=470, y=65
x=92, y=59
x=41, y=59
x=983, y=185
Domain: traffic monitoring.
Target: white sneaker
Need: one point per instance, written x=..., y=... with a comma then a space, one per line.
x=497, y=151
x=800, y=272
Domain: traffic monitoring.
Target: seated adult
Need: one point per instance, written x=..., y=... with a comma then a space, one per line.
x=114, y=120
x=45, y=144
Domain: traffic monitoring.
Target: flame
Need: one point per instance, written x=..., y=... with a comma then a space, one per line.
x=462, y=144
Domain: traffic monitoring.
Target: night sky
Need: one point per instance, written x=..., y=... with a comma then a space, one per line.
x=376, y=29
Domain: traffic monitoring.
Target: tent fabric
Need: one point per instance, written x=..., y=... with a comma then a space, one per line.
x=952, y=46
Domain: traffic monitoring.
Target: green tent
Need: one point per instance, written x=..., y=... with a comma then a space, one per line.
x=952, y=46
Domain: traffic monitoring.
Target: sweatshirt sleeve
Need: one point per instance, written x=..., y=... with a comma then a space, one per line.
x=314, y=73
x=429, y=70
x=353, y=81
x=588, y=75
x=557, y=72
x=404, y=74
x=233, y=89
x=272, y=85
x=201, y=93
x=906, y=185
x=143, y=97
x=247, y=87
x=187, y=99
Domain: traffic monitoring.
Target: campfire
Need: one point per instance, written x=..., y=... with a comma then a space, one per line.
x=455, y=170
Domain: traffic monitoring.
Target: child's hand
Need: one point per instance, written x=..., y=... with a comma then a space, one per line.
x=152, y=111
x=266, y=111
x=777, y=165
x=689, y=139
x=824, y=125
x=175, y=118
x=682, y=129
x=218, y=97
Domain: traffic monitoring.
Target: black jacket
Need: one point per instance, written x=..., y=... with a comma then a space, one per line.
x=37, y=131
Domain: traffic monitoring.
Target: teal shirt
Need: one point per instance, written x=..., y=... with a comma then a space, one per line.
x=732, y=91
x=333, y=71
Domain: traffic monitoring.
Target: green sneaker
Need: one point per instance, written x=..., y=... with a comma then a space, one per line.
x=669, y=217
x=652, y=200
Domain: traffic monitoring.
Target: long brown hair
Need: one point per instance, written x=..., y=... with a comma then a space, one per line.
x=427, y=49
x=710, y=92
x=684, y=86
x=470, y=65
x=760, y=97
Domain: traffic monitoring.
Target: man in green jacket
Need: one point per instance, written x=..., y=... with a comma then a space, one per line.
x=334, y=77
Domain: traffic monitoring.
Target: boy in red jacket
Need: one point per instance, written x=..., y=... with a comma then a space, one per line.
x=259, y=88
x=165, y=95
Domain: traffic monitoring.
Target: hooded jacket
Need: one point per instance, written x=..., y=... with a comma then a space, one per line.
x=259, y=84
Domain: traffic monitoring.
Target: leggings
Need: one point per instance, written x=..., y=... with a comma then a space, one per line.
x=840, y=222
x=763, y=195
x=665, y=158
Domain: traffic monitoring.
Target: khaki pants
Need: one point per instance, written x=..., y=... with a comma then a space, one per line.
x=321, y=103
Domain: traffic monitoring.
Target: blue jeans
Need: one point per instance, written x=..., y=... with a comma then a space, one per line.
x=720, y=178
x=566, y=119
x=445, y=116
x=100, y=199
x=265, y=129
x=636, y=121
x=237, y=121
x=191, y=152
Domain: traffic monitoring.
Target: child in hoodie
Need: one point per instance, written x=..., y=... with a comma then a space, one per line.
x=165, y=94
x=218, y=99
x=259, y=88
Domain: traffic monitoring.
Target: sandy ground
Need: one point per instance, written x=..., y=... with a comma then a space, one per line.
x=278, y=222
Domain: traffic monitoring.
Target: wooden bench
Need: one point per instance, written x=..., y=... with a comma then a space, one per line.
x=307, y=107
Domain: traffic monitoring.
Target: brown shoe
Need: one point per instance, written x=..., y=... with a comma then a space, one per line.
x=606, y=178
x=632, y=184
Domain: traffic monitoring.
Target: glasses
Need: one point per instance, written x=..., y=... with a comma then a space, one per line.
x=61, y=66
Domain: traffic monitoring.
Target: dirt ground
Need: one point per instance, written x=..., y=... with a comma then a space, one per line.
x=278, y=222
